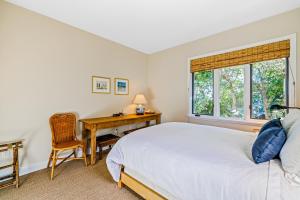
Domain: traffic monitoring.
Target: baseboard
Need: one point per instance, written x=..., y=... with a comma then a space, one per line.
x=38, y=166
x=34, y=167
x=27, y=169
x=41, y=165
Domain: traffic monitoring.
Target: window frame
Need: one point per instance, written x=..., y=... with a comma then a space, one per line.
x=247, y=118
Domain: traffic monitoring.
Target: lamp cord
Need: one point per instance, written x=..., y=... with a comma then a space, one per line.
x=294, y=84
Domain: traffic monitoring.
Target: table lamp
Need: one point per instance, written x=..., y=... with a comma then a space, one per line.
x=140, y=101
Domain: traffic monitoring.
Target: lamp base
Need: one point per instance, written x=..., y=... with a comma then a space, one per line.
x=140, y=110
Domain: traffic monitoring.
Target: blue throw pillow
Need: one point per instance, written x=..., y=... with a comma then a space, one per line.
x=271, y=123
x=268, y=144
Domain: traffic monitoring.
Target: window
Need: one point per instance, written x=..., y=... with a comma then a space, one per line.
x=241, y=92
x=232, y=92
x=203, y=84
x=269, y=85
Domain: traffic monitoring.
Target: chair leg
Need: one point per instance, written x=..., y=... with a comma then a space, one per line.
x=53, y=163
x=50, y=158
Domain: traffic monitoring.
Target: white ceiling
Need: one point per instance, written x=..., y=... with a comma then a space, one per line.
x=153, y=25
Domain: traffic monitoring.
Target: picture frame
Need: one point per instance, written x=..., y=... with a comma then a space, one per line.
x=101, y=85
x=121, y=86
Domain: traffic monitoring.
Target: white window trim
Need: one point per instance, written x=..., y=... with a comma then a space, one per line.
x=247, y=120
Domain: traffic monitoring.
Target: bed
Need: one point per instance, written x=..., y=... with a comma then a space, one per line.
x=189, y=161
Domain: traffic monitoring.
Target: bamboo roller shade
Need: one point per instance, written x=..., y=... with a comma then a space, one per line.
x=265, y=52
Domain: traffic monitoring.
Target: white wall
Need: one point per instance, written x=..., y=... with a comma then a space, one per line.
x=46, y=67
x=167, y=70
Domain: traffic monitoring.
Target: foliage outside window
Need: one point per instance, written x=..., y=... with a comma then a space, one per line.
x=203, y=102
x=268, y=85
x=269, y=80
x=232, y=92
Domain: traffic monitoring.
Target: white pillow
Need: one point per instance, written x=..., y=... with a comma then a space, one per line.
x=288, y=121
x=290, y=154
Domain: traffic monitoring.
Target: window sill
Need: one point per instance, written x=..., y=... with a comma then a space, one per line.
x=256, y=123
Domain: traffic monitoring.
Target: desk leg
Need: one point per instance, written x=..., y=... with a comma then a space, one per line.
x=84, y=138
x=93, y=146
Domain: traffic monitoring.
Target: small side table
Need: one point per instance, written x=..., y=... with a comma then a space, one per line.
x=13, y=178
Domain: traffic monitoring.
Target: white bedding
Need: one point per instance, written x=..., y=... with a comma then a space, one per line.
x=192, y=161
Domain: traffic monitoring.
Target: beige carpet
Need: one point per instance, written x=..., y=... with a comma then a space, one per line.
x=72, y=181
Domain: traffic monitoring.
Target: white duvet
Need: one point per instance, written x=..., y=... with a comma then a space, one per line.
x=197, y=162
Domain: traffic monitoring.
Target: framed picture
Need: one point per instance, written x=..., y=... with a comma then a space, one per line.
x=101, y=85
x=121, y=86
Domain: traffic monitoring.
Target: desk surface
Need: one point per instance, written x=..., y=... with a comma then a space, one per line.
x=112, y=119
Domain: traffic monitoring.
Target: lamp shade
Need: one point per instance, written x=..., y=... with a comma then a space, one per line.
x=140, y=99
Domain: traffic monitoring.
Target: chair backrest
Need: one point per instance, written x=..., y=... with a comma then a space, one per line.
x=63, y=127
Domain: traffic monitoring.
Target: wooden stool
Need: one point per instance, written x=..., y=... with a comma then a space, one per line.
x=106, y=140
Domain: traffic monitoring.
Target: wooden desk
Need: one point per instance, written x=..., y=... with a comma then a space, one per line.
x=90, y=126
x=14, y=176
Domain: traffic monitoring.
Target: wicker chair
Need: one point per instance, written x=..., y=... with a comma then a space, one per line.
x=63, y=127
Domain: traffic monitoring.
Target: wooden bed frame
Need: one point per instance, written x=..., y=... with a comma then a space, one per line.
x=138, y=187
